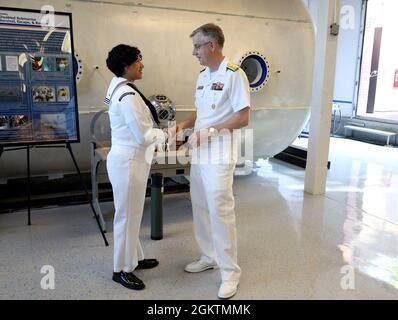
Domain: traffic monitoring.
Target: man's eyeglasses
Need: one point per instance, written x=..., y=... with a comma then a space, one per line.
x=198, y=46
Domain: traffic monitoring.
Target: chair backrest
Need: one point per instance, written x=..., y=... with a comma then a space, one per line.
x=100, y=129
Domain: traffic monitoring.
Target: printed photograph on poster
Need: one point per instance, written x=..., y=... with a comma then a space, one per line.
x=14, y=122
x=46, y=64
x=52, y=122
x=43, y=94
x=10, y=94
x=62, y=64
x=11, y=63
x=63, y=94
x=36, y=78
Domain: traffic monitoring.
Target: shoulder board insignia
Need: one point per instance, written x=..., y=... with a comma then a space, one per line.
x=202, y=70
x=125, y=94
x=232, y=67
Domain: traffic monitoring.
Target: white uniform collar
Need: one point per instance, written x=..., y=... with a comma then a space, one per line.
x=222, y=68
x=115, y=83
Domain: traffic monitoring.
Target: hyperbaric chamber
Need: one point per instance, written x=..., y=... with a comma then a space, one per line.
x=272, y=40
x=281, y=31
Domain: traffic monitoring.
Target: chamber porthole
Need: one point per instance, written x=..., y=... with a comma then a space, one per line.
x=256, y=67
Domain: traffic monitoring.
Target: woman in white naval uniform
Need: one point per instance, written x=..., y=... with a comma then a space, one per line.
x=128, y=162
x=222, y=101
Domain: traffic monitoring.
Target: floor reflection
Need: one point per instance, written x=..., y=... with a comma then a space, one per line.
x=363, y=185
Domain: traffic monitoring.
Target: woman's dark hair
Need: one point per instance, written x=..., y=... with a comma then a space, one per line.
x=121, y=56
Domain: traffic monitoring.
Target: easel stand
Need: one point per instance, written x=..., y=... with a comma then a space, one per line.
x=67, y=146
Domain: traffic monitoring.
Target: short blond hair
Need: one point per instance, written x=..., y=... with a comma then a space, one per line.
x=212, y=31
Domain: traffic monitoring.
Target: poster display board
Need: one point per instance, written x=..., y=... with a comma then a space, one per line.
x=38, y=101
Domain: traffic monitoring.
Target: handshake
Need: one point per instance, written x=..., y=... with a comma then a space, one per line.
x=173, y=138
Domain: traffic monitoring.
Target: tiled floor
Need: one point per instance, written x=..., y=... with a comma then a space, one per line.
x=291, y=245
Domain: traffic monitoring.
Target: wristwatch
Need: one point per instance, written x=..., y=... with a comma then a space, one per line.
x=212, y=132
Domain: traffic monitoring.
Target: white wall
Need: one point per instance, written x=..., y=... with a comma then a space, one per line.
x=347, y=51
x=347, y=54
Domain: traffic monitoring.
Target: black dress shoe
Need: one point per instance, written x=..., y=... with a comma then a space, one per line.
x=147, y=264
x=128, y=280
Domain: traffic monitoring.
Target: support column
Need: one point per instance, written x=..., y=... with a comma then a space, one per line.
x=322, y=98
x=157, y=206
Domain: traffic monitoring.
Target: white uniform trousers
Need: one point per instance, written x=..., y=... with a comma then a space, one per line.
x=214, y=216
x=128, y=173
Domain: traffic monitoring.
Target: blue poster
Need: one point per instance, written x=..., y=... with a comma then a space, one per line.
x=38, y=102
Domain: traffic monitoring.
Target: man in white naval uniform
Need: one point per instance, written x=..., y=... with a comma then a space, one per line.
x=129, y=160
x=222, y=101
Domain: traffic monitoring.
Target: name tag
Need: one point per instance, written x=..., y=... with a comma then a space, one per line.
x=200, y=88
x=217, y=86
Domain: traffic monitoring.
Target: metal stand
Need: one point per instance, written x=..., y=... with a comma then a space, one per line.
x=157, y=206
x=68, y=146
x=28, y=171
x=2, y=150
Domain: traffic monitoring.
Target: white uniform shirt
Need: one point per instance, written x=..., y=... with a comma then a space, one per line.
x=131, y=121
x=220, y=94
